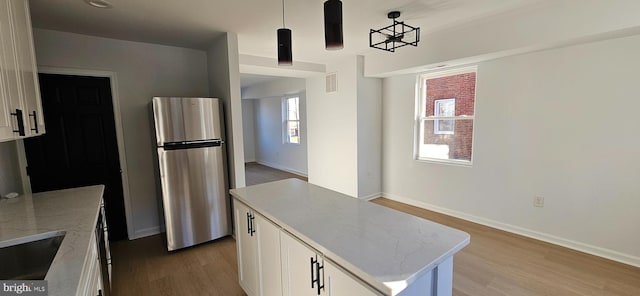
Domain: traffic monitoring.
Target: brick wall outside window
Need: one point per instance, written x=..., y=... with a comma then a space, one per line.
x=462, y=87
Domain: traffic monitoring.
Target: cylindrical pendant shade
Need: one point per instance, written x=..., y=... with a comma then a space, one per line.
x=285, y=56
x=333, y=24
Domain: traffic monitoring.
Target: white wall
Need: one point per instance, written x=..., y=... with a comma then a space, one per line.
x=271, y=150
x=224, y=83
x=9, y=169
x=332, y=128
x=344, y=130
x=369, y=134
x=274, y=88
x=561, y=124
x=541, y=25
x=248, y=133
x=143, y=71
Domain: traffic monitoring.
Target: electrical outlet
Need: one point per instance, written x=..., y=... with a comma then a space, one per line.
x=538, y=201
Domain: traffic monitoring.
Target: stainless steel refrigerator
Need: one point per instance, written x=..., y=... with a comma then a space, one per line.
x=191, y=158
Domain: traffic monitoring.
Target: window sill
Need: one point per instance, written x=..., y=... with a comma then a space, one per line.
x=459, y=163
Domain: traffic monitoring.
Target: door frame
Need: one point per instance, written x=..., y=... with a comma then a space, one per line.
x=22, y=157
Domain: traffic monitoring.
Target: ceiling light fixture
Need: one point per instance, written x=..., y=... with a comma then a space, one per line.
x=394, y=36
x=285, y=56
x=99, y=3
x=333, y=25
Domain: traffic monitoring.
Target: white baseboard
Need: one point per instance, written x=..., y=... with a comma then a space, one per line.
x=140, y=233
x=370, y=196
x=579, y=246
x=282, y=168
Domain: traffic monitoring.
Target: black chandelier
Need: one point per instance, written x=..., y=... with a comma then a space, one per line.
x=394, y=36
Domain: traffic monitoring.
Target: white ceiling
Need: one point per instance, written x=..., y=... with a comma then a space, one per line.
x=253, y=79
x=194, y=23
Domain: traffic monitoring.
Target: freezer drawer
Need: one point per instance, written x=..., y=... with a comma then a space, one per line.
x=187, y=119
x=194, y=195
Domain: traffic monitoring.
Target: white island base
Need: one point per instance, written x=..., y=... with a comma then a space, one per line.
x=297, y=239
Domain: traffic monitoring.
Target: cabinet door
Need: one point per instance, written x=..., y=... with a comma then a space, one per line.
x=9, y=74
x=340, y=283
x=269, y=264
x=27, y=69
x=247, y=249
x=297, y=267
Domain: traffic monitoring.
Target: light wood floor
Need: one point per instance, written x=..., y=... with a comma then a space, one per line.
x=501, y=263
x=495, y=263
x=256, y=173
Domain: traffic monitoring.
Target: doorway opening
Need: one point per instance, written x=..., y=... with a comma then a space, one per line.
x=80, y=147
x=274, y=128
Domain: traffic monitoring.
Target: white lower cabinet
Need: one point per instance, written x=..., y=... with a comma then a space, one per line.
x=272, y=262
x=247, y=248
x=306, y=272
x=258, y=246
x=90, y=282
x=299, y=264
x=341, y=283
x=269, y=261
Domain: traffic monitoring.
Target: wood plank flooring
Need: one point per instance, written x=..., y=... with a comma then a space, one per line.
x=501, y=263
x=495, y=263
x=145, y=267
x=256, y=173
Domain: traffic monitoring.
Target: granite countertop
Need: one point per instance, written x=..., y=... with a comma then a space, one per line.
x=384, y=247
x=74, y=211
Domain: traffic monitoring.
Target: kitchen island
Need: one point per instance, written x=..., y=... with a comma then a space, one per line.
x=295, y=238
x=70, y=212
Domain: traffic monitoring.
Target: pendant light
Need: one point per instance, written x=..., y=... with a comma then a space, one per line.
x=333, y=25
x=285, y=57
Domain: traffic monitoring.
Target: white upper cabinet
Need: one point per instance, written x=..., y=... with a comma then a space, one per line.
x=20, y=103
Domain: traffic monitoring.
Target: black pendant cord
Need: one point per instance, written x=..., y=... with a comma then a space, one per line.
x=283, y=14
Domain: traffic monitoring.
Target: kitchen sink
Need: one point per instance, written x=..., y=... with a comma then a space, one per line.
x=29, y=258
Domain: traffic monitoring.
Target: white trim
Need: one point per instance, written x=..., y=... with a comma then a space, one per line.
x=371, y=196
x=444, y=73
x=282, y=168
x=420, y=115
x=436, y=114
x=140, y=233
x=115, y=98
x=575, y=245
x=22, y=163
x=286, y=120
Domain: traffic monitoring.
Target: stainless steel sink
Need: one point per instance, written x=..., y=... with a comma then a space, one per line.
x=29, y=258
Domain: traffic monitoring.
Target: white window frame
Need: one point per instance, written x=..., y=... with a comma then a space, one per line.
x=286, y=120
x=438, y=117
x=420, y=118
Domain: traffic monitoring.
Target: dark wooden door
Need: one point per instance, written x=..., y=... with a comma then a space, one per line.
x=80, y=147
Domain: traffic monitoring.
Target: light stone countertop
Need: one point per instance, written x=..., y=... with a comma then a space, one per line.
x=384, y=247
x=74, y=211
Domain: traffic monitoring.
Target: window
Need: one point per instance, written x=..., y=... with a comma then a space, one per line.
x=292, y=120
x=446, y=110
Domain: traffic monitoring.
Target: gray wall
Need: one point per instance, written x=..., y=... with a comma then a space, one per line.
x=271, y=149
x=9, y=170
x=248, y=129
x=268, y=143
x=224, y=83
x=143, y=70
